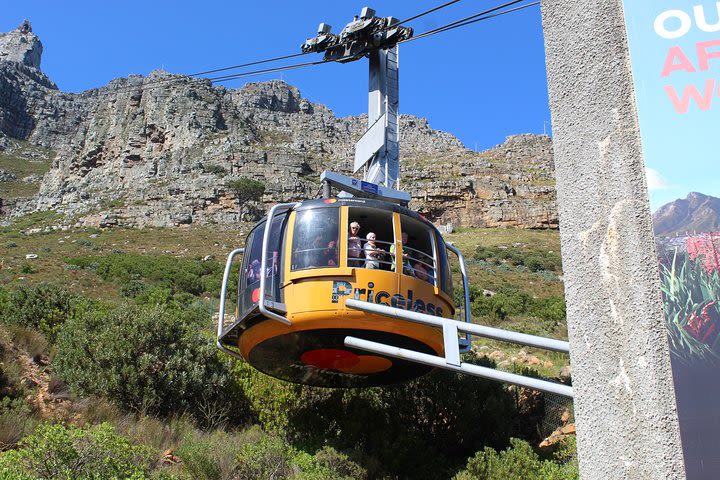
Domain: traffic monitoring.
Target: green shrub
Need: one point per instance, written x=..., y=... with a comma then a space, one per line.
x=60, y=452
x=44, y=307
x=210, y=456
x=340, y=464
x=271, y=400
x=246, y=189
x=133, y=288
x=134, y=271
x=16, y=421
x=145, y=358
x=28, y=269
x=518, y=461
x=271, y=457
x=218, y=170
x=528, y=257
x=511, y=302
x=253, y=453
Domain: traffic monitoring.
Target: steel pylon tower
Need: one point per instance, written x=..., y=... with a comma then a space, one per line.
x=378, y=151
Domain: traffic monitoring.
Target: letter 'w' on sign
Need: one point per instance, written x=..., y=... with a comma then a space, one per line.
x=703, y=101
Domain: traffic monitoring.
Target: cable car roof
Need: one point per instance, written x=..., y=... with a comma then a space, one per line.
x=357, y=202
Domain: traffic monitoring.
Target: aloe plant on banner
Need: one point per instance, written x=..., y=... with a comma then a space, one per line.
x=691, y=289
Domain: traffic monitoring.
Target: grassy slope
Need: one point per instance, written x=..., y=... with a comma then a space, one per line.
x=24, y=160
x=537, y=284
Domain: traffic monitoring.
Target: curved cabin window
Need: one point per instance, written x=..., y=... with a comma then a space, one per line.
x=250, y=272
x=446, y=284
x=418, y=250
x=315, y=239
x=371, y=239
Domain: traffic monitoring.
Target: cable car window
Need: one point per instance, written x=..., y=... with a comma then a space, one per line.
x=315, y=239
x=444, y=267
x=371, y=239
x=250, y=271
x=418, y=250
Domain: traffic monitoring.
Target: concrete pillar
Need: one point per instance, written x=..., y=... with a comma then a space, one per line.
x=625, y=409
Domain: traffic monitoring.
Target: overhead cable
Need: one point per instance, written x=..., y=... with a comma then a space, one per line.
x=160, y=82
x=425, y=13
x=485, y=15
x=226, y=78
x=249, y=64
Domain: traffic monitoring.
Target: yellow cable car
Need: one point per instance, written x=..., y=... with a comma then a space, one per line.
x=320, y=253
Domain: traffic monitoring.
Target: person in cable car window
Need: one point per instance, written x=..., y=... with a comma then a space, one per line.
x=420, y=271
x=330, y=255
x=407, y=268
x=315, y=255
x=423, y=273
x=355, y=248
x=253, y=271
x=272, y=269
x=373, y=253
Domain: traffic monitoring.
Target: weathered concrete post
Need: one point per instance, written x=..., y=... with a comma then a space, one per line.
x=624, y=399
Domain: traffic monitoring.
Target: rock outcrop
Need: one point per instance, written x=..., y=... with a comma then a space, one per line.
x=22, y=46
x=158, y=150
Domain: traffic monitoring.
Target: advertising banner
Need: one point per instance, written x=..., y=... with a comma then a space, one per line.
x=675, y=55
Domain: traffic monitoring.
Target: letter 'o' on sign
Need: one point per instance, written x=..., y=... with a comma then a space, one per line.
x=661, y=20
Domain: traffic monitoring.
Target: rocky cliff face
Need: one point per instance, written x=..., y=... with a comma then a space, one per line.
x=158, y=150
x=21, y=46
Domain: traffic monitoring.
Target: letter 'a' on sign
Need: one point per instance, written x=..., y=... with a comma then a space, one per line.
x=675, y=56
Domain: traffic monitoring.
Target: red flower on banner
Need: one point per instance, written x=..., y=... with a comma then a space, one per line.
x=704, y=327
x=706, y=247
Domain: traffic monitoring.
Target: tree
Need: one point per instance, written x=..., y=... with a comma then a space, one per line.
x=246, y=189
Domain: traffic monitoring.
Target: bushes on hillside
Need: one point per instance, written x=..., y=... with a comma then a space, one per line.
x=532, y=259
x=60, y=452
x=44, y=307
x=419, y=429
x=147, y=358
x=519, y=461
x=253, y=453
x=512, y=302
x=136, y=273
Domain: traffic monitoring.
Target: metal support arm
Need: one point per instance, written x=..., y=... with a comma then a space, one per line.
x=467, y=368
x=223, y=295
x=451, y=361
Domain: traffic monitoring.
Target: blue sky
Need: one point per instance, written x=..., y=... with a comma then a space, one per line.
x=481, y=82
x=680, y=149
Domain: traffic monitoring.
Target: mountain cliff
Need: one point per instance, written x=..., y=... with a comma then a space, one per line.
x=695, y=213
x=158, y=151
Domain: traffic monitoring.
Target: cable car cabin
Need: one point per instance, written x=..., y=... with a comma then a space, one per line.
x=320, y=253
